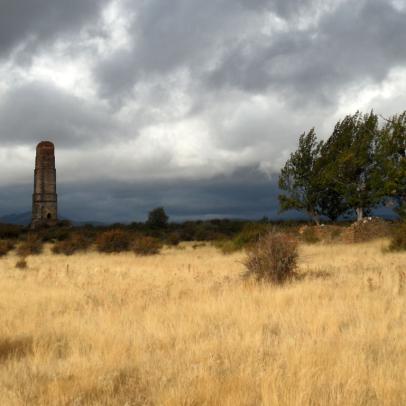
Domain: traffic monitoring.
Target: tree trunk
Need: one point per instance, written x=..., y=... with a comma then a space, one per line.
x=315, y=217
x=360, y=213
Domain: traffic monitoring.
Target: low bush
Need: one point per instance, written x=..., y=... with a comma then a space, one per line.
x=75, y=243
x=115, y=240
x=227, y=246
x=309, y=235
x=398, y=240
x=10, y=231
x=146, y=246
x=55, y=233
x=31, y=246
x=335, y=234
x=250, y=235
x=273, y=258
x=21, y=263
x=5, y=247
x=173, y=239
x=369, y=229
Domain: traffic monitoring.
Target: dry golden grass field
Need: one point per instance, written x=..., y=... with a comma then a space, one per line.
x=183, y=328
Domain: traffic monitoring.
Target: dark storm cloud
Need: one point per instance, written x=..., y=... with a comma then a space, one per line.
x=34, y=22
x=37, y=111
x=186, y=34
x=357, y=42
x=15, y=198
x=246, y=193
x=225, y=44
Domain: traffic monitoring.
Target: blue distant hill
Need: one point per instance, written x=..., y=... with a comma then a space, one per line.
x=21, y=219
x=24, y=219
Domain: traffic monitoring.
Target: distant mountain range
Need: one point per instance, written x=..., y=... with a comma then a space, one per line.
x=24, y=219
x=21, y=219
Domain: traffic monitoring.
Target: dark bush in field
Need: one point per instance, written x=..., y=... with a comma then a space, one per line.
x=226, y=246
x=115, y=240
x=273, y=258
x=60, y=233
x=250, y=235
x=146, y=245
x=21, y=263
x=10, y=231
x=157, y=218
x=309, y=235
x=173, y=239
x=31, y=246
x=398, y=240
x=5, y=247
x=76, y=242
x=369, y=229
x=335, y=233
x=210, y=230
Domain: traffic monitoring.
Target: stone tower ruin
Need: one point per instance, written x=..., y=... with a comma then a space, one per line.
x=44, y=199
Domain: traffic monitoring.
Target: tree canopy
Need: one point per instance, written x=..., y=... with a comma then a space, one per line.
x=360, y=166
x=157, y=218
x=298, y=178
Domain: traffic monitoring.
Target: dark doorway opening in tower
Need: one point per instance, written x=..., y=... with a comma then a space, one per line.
x=49, y=216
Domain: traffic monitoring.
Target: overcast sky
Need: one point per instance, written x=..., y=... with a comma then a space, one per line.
x=194, y=105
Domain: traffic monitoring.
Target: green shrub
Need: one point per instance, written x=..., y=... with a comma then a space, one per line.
x=398, y=241
x=157, y=218
x=9, y=231
x=227, y=246
x=310, y=236
x=5, y=247
x=273, y=258
x=75, y=243
x=173, y=239
x=335, y=233
x=31, y=246
x=55, y=233
x=21, y=263
x=250, y=235
x=198, y=245
x=146, y=246
x=369, y=229
x=115, y=240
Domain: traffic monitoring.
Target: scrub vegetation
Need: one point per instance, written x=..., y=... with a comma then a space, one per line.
x=183, y=327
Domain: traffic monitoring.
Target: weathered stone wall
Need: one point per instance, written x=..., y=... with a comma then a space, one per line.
x=44, y=202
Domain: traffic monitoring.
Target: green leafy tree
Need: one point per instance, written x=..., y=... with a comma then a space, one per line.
x=157, y=218
x=391, y=160
x=331, y=202
x=298, y=178
x=349, y=163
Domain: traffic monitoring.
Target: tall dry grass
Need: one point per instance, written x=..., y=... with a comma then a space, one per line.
x=182, y=328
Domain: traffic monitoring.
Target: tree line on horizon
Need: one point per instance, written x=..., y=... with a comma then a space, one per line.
x=361, y=166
